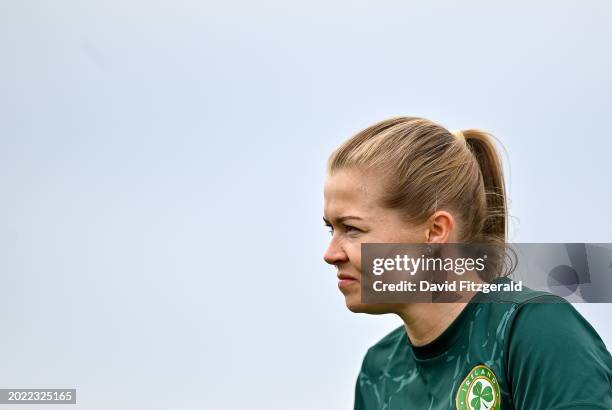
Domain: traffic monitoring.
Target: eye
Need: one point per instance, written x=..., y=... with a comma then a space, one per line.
x=346, y=228
x=349, y=228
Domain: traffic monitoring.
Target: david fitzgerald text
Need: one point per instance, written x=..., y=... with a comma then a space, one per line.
x=446, y=286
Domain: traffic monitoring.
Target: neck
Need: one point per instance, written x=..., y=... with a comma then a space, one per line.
x=424, y=322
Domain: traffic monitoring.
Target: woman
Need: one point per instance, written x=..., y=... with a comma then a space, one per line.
x=409, y=180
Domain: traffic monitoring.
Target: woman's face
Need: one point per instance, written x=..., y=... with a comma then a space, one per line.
x=352, y=212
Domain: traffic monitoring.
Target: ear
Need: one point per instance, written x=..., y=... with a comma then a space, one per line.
x=441, y=226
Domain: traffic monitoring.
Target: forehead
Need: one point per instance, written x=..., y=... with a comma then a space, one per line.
x=350, y=191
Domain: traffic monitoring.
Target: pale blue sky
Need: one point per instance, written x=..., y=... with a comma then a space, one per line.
x=162, y=165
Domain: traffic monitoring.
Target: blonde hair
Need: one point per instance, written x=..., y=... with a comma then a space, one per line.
x=425, y=167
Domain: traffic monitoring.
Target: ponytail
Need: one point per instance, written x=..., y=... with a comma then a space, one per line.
x=481, y=144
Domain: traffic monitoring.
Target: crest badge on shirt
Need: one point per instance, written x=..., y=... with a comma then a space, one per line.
x=479, y=390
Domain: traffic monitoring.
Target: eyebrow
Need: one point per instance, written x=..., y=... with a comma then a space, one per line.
x=342, y=219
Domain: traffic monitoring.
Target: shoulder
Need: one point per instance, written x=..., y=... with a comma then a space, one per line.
x=379, y=352
x=523, y=310
x=550, y=322
x=553, y=357
x=549, y=345
x=389, y=339
x=547, y=316
x=498, y=309
x=544, y=327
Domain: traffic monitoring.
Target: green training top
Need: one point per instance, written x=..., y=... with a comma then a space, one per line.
x=514, y=353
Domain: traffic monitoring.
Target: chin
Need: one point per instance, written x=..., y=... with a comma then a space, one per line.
x=354, y=305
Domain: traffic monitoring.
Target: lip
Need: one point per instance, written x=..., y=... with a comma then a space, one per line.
x=346, y=280
x=343, y=276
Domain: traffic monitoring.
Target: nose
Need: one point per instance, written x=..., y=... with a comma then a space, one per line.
x=334, y=254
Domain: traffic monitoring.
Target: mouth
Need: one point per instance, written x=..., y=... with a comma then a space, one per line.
x=345, y=280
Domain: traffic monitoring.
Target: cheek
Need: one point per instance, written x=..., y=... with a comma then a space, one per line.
x=354, y=253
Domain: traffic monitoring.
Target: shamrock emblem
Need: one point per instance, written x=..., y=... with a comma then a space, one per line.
x=481, y=396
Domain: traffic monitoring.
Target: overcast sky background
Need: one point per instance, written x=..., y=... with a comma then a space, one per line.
x=162, y=166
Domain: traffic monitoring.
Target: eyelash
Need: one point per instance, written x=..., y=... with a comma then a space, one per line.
x=347, y=228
